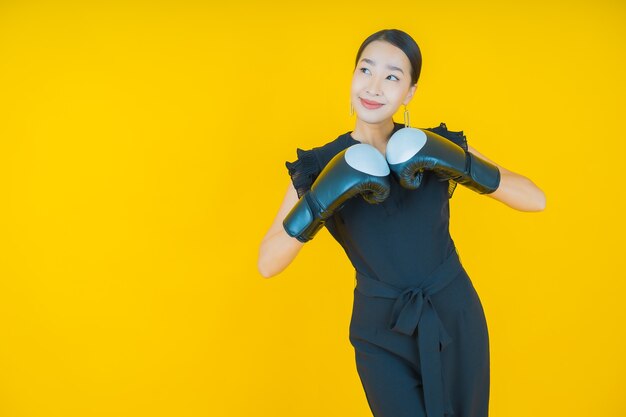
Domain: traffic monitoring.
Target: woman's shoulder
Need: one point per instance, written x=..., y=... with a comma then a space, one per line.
x=310, y=162
x=327, y=151
x=455, y=136
x=324, y=152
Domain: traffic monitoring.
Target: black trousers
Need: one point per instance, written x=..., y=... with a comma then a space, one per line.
x=422, y=351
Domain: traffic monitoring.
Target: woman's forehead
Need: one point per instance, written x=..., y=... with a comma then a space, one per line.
x=384, y=53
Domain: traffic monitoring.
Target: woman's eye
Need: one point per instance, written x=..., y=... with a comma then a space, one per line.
x=367, y=69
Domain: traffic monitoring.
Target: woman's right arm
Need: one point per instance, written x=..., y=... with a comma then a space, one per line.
x=278, y=249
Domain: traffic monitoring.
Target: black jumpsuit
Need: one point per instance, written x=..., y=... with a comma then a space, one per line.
x=418, y=327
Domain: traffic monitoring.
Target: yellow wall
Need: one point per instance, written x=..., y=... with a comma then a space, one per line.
x=142, y=160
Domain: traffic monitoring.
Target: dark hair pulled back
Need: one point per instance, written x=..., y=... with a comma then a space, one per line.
x=401, y=40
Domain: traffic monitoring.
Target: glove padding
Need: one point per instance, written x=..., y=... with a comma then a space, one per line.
x=411, y=151
x=360, y=169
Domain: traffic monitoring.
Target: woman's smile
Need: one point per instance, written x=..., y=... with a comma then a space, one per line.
x=370, y=104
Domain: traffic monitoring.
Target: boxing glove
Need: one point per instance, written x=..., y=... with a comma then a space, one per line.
x=411, y=151
x=358, y=170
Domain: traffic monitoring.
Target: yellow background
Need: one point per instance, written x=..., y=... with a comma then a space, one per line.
x=142, y=161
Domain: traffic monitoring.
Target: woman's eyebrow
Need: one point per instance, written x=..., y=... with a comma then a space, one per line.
x=391, y=67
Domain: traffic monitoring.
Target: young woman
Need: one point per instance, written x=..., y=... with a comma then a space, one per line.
x=418, y=327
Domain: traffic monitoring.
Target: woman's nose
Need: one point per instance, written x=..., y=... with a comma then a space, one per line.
x=374, y=87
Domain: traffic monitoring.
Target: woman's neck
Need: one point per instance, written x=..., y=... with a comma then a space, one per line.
x=375, y=134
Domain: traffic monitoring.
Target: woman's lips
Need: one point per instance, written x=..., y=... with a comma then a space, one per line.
x=370, y=104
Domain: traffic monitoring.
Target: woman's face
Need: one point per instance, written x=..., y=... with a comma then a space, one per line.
x=382, y=75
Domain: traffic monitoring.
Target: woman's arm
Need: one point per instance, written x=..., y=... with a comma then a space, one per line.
x=515, y=190
x=278, y=249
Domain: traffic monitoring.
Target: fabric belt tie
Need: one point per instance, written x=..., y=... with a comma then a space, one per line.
x=413, y=309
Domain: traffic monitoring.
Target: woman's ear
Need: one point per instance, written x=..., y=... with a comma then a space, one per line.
x=410, y=94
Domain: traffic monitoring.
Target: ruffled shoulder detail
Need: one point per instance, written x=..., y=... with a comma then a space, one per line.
x=310, y=163
x=304, y=170
x=456, y=137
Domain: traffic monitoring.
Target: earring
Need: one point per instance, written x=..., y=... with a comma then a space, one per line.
x=351, y=108
x=406, y=117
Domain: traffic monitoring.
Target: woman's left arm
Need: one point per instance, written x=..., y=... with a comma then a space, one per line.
x=515, y=190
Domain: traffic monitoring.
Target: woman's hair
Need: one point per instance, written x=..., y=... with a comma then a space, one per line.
x=401, y=40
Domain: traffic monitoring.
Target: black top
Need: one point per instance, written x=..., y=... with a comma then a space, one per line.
x=404, y=236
